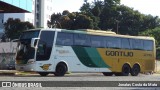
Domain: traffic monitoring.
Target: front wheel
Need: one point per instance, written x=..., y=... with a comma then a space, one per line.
x=135, y=70
x=61, y=69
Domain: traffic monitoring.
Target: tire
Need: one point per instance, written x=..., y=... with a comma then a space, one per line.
x=125, y=70
x=135, y=70
x=61, y=69
x=43, y=73
x=107, y=73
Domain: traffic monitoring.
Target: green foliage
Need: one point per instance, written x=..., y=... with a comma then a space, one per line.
x=153, y=33
x=14, y=27
x=158, y=53
x=111, y=15
x=74, y=20
x=104, y=15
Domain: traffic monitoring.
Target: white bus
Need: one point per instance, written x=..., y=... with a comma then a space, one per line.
x=59, y=51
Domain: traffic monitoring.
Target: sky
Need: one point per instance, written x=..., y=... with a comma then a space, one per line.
x=144, y=6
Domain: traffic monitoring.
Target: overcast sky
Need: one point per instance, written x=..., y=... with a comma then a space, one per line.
x=144, y=6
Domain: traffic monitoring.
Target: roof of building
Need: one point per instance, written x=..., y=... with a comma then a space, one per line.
x=8, y=47
x=10, y=7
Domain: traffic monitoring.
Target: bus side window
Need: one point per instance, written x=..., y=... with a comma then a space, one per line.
x=97, y=41
x=82, y=40
x=64, y=39
x=148, y=45
x=113, y=42
x=136, y=44
x=125, y=43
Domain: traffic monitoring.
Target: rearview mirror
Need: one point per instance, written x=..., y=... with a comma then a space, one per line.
x=34, y=42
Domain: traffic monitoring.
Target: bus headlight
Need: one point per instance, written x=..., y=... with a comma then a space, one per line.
x=30, y=62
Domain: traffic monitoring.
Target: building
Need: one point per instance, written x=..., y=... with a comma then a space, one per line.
x=37, y=12
x=43, y=12
x=22, y=9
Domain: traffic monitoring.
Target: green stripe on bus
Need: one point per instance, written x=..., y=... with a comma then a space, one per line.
x=89, y=56
x=95, y=57
x=83, y=56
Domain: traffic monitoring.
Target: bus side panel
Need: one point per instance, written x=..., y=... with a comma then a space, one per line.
x=80, y=59
x=116, y=58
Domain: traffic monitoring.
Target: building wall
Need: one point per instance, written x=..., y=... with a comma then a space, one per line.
x=7, y=54
x=1, y=23
x=44, y=10
x=7, y=59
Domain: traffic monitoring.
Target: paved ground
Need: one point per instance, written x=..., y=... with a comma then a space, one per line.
x=84, y=77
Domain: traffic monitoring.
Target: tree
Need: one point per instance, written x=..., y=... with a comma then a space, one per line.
x=110, y=14
x=153, y=33
x=14, y=27
x=74, y=20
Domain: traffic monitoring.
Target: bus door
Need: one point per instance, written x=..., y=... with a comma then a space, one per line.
x=44, y=50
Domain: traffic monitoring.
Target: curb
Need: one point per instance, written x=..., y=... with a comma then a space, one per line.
x=7, y=72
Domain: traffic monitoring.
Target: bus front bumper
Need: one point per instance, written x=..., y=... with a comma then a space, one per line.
x=26, y=67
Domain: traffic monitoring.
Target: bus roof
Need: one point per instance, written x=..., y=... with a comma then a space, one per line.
x=94, y=32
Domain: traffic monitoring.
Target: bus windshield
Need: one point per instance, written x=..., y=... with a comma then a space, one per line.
x=25, y=51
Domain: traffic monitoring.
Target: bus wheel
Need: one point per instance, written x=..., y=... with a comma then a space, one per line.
x=43, y=73
x=135, y=70
x=107, y=73
x=61, y=69
x=125, y=70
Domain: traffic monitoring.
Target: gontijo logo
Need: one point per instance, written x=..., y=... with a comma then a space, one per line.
x=119, y=53
x=45, y=66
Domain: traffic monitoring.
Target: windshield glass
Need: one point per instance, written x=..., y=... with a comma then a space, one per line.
x=24, y=50
x=29, y=34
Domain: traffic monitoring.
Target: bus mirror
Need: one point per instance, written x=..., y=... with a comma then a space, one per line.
x=34, y=42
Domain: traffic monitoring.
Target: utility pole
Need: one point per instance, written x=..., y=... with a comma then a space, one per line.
x=117, y=22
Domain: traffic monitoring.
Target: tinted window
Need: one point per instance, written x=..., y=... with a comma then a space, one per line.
x=125, y=43
x=45, y=45
x=81, y=39
x=29, y=34
x=148, y=45
x=97, y=41
x=113, y=42
x=65, y=39
x=136, y=44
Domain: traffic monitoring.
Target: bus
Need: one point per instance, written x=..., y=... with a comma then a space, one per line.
x=59, y=51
